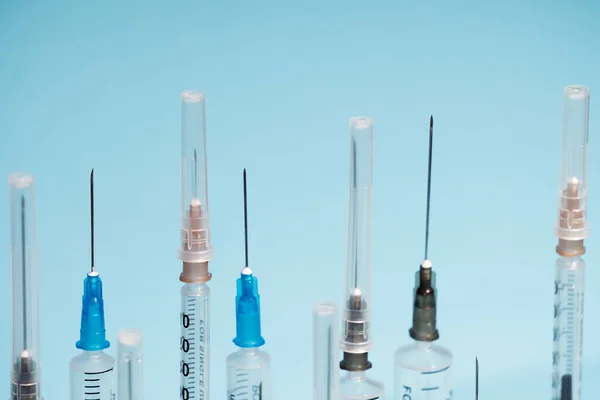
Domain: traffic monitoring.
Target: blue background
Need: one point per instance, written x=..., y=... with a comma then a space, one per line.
x=96, y=84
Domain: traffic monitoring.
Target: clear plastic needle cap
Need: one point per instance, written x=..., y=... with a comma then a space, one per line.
x=356, y=315
x=195, y=216
x=572, y=222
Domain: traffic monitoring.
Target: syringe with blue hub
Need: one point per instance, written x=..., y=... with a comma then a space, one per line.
x=92, y=375
x=195, y=252
x=25, y=361
x=248, y=368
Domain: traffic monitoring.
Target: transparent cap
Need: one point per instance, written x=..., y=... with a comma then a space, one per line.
x=25, y=361
x=130, y=358
x=325, y=351
x=572, y=194
x=195, y=216
x=356, y=310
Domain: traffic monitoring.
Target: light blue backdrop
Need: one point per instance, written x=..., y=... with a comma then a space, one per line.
x=96, y=84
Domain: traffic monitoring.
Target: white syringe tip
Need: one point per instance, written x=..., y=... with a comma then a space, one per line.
x=246, y=271
x=426, y=263
x=356, y=292
x=195, y=203
x=573, y=180
x=25, y=354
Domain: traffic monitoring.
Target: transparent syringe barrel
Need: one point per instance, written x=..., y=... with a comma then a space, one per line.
x=356, y=316
x=25, y=360
x=249, y=375
x=422, y=371
x=568, y=328
x=325, y=351
x=195, y=215
x=130, y=382
x=195, y=341
x=358, y=386
x=92, y=376
x=572, y=197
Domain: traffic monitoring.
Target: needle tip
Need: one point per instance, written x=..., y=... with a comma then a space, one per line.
x=92, y=174
x=431, y=121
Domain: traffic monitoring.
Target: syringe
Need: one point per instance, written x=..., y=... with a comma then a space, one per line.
x=356, y=339
x=130, y=375
x=92, y=371
x=248, y=368
x=195, y=251
x=571, y=230
x=422, y=368
x=25, y=361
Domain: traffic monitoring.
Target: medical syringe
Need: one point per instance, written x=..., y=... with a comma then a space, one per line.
x=356, y=340
x=571, y=229
x=91, y=373
x=249, y=367
x=25, y=361
x=195, y=251
x=422, y=368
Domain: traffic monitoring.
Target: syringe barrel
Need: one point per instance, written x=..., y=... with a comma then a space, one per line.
x=195, y=215
x=325, y=351
x=569, y=289
x=572, y=197
x=357, y=305
x=25, y=360
x=130, y=365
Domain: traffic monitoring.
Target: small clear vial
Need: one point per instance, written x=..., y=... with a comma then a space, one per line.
x=357, y=386
x=92, y=376
x=423, y=372
x=249, y=375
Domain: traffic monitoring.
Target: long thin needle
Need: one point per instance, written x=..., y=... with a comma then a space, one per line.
x=354, y=229
x=129, y=381
x=195, y=176
x=23, y=252
x=476, y=379
x=245, y=218
x=92, y=214
x=329, y=344
x=428, y=185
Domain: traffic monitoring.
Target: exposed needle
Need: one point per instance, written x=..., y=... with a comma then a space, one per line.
x=476, y=379
x=245, y=218
x=92, y=214
x=428, y=185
